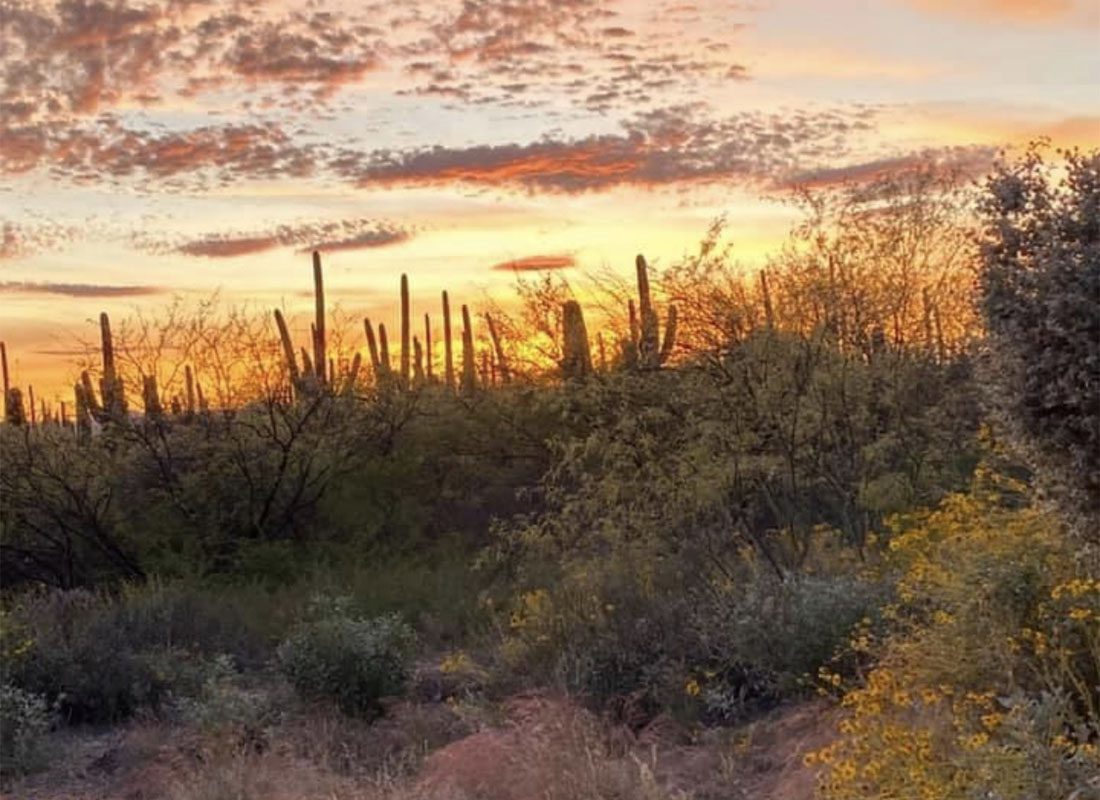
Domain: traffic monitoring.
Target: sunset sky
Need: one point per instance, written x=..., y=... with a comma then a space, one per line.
x=178, y=146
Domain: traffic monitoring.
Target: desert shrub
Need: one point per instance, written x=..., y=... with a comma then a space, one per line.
x=603, y=630
x=24, y=721
x=229, y=710
x=763, y=639
x=178, y=615
x=351, y=661
x=100, y=658
x=985, y=683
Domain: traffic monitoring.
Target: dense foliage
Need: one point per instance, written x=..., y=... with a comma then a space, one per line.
x=1040, y=280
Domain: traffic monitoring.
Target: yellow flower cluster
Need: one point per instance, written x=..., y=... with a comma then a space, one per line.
x=944, y=713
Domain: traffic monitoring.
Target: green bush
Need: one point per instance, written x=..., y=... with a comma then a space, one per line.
x=351, y=661
x=24, y=721
x=99, y=658
x=226, y=706
x=762, y=640
x=1039, y=278
x=604, y=630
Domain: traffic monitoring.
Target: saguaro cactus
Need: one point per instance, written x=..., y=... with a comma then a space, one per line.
x=319, y=357
x=501, y=360
x=669, y=341
x=383, y=347
x=151, y=397
x=288, y=350
x=83, y=411
x=448, y=347
x=353, y=373
x=14, y=413
x=649, y=333
x=428, y=346
x=644, y=348
x=372, y=347
x=469, y=368
x=406, y=331
x=577, y=357
x=90, y=400
x=4, y=369
x=189, y=384
x=111, y=386
x=418, y=362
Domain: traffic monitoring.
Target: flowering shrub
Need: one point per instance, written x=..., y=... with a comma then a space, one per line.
x=986, y=684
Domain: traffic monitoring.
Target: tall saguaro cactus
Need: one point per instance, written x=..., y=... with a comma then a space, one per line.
x=418, y=362
x=7, y=380
x=383, y=351
x=469, y=368
x=406, y=331
x=90, y=401
x=649, y=333
x=448, y=347
x=189, y=384
x=428, y=347
x=353, y=373
x=372, y=347
x=501, y=359
x=319, y=343
x=288, y=351
x=151, y=397
x=577, y=357
x=111, y=386
x=644, y=348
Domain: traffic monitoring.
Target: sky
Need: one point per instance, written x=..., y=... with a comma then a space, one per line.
x=169, y=148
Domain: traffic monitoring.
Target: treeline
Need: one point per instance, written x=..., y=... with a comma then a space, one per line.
x=831, y=387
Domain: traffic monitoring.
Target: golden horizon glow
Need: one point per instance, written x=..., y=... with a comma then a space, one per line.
x=153, y=149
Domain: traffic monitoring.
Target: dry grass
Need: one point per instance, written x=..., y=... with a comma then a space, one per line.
x=531, y=747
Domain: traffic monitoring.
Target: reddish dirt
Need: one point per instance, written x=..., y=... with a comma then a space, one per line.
x=542, y=746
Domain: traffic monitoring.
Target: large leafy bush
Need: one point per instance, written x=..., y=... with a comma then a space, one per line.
x=1040, y=296
x=353, y=662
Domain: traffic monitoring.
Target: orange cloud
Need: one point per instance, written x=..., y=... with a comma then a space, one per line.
x=667, y=146
x=330, y=236
x=967, y=162
x=536, y=263
x=217, y=247
x=76, y=289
